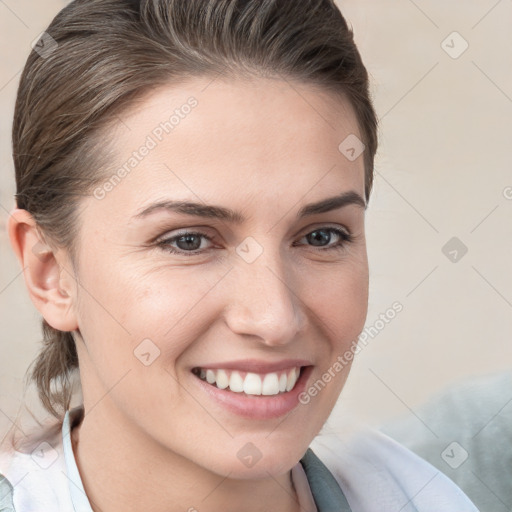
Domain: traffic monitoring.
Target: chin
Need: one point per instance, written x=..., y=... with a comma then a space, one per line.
x=251, y=462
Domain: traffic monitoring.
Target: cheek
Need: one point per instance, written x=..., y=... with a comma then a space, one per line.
x=162, y=310
x=340, y=306
x=340, y=301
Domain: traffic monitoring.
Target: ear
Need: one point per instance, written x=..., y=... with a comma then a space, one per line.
x=48, y=274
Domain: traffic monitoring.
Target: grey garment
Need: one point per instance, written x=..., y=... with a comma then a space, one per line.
x=6, y=491
x=326, y=492
x=466, y=432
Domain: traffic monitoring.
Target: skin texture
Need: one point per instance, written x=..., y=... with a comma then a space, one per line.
x=151, y=439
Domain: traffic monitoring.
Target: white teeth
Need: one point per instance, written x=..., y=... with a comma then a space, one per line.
x=253, y=383
x=282, y=382
x=270, y=384
x=210, y=376
x=222, y=379
x=236, y=383
x=292, y=379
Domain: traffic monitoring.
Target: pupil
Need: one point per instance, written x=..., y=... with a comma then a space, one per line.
x=189, y=240
x=314, y=236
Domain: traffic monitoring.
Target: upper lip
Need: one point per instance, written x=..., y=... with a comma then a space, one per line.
x=257, y=366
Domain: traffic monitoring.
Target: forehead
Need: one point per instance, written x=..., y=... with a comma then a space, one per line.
x=211, y=138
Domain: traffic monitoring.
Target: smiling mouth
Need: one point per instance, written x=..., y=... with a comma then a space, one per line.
x=263, y=384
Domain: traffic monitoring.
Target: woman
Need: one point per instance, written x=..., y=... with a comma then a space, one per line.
x=192, y=178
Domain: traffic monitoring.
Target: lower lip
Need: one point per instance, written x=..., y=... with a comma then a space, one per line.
x=258, y=407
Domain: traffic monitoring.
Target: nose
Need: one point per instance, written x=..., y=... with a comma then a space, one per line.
x=264, y=300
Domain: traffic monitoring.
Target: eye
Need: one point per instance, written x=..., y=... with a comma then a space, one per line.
x=322, y=236
x=189, y=243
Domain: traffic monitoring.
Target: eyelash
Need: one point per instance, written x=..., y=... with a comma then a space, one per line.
x=345, y=239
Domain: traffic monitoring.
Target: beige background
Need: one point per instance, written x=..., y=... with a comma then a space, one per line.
x=443, y=170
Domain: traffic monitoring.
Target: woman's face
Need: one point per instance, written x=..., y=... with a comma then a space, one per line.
x=273, y=283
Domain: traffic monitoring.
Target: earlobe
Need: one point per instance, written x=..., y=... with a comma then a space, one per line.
x=48, y=275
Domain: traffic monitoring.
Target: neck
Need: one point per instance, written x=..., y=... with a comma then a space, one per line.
x=122, y=469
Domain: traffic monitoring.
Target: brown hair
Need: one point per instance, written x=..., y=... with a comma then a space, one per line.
x=98, y=56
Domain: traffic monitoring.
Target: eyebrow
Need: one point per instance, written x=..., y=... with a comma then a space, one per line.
x=226, y=214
